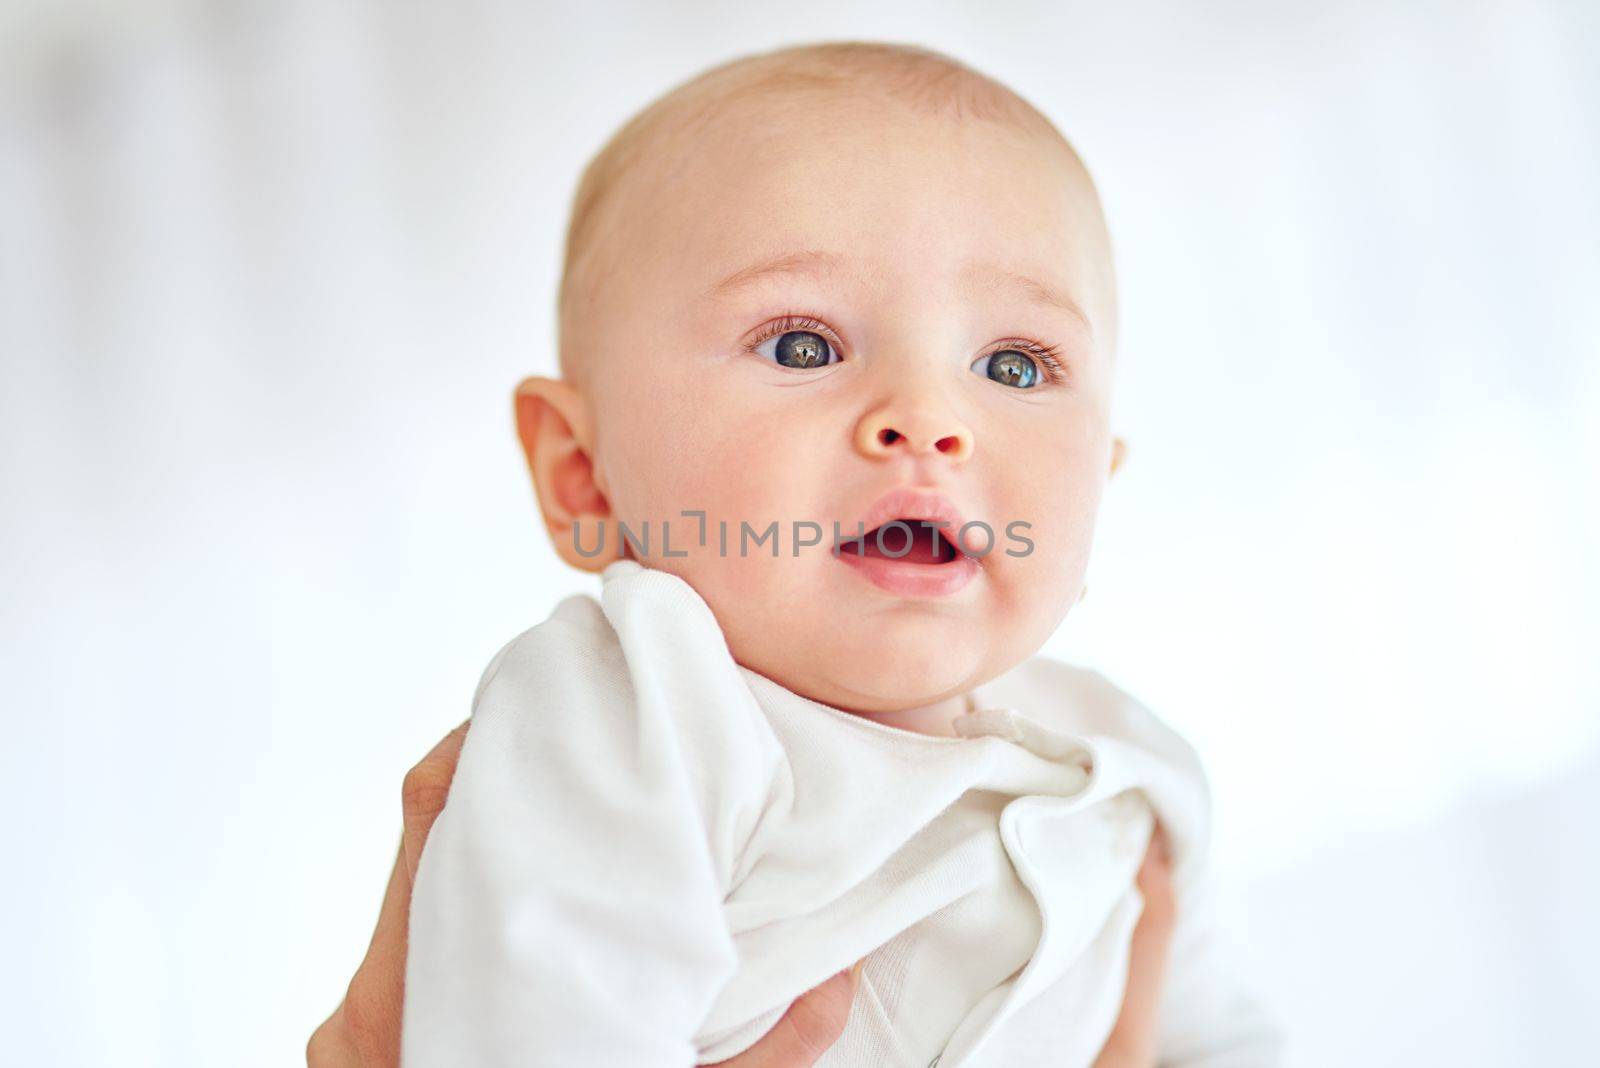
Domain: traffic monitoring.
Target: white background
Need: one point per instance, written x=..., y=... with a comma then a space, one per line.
x=268, y=273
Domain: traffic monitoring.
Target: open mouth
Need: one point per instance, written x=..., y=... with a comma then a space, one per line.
x=912, y=541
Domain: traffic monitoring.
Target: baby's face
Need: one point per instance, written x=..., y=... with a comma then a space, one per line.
x=826, y=305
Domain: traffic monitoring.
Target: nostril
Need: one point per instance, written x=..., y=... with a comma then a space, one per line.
x=888, y=436
x=949, y=444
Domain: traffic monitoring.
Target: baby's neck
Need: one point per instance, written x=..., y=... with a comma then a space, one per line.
x=936, y=718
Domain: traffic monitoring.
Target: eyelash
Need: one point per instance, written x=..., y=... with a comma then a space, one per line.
x=1049, y=356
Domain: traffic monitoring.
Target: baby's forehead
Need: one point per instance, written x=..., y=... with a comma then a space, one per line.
x=733, y=175
x=841, y=165
x=874, y=197
x=820, y=135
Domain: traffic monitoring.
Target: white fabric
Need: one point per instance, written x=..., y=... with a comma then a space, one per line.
x=649, y=851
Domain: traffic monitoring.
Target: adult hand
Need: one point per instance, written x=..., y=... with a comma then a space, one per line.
x=364, y=1031
x=1132, y=1043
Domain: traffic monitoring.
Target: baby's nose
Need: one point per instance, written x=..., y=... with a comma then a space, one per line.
x=889, y=430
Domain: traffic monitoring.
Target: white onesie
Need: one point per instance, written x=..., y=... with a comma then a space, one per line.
x=649, y=851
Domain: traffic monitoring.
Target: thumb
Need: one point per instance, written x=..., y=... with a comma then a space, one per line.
x=423, y=793
x=811, y=1026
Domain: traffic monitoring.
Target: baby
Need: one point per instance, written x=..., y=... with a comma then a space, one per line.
x=837, y=328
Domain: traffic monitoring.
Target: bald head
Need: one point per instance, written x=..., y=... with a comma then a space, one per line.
x=657, y=146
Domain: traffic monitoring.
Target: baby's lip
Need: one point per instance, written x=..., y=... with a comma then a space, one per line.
x=905, y=502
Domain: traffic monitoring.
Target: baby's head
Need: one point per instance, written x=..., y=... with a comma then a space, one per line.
x=803, y=280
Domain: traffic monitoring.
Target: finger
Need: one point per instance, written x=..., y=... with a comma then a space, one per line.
x=1157, y=858
x=364, y=1032
x=1134, y=1034
x=1158, y=848
x=1154, y=880
x=811, y=1026
x=331, y=1046
x=1147, y=965
x=423, y=793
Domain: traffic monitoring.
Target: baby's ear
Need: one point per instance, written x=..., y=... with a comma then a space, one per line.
x=554, y=426
x=1119, y=449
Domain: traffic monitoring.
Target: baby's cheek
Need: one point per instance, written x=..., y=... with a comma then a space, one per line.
x=1050, y=544
x=1059, y=497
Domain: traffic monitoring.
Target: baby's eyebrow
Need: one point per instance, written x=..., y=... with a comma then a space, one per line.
x=817, y=263
x=813, y=263
x=997, y=278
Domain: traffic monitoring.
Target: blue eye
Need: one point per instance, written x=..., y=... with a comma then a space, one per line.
x=800, y=349
x=799, y=342
x=1008, y=367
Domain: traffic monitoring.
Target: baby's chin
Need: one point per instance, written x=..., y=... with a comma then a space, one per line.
x=881, y=672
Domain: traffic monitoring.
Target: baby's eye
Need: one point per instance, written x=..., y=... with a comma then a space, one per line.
x=798, y=349
x=1008, y=367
